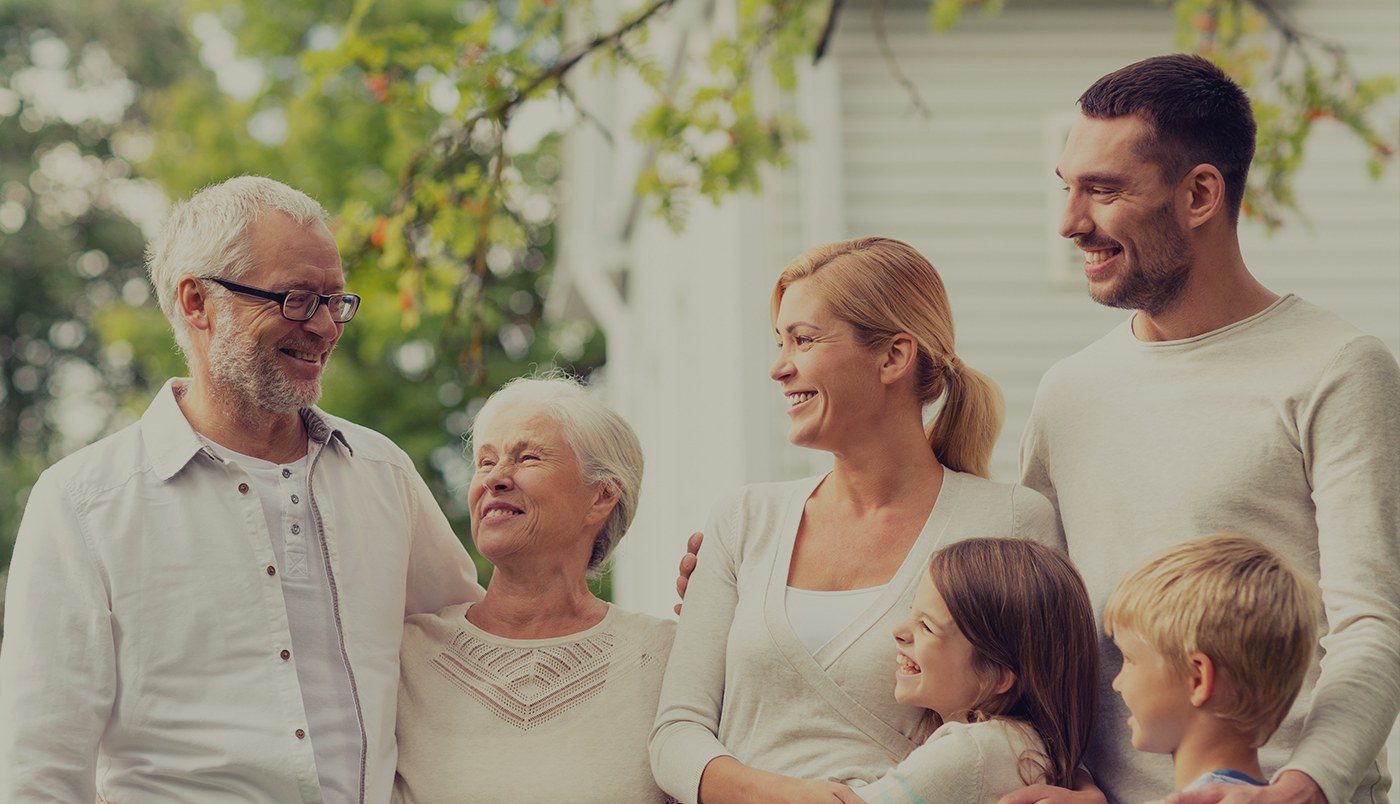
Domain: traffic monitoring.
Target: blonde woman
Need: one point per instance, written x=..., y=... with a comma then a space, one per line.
x=779, y=685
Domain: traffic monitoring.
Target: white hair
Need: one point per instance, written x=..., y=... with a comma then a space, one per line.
x=606, y=447
x=204, y=236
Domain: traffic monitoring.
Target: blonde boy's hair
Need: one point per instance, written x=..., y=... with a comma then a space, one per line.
x=1238, y=602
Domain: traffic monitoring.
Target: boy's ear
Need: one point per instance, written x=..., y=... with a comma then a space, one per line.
x=1202, y=679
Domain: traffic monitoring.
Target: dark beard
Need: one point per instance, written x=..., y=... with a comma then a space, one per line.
x=1158, y=274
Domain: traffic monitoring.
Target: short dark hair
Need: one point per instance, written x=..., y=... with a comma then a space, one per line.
x=1195, y=112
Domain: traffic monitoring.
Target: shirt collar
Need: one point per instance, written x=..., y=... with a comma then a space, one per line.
x=172, y=442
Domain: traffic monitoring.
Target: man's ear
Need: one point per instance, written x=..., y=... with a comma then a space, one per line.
x=1202, y=678
x=901, y=354
x=1204, y=189
x=190, y=300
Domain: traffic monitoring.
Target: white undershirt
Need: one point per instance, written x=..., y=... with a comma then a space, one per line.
x=331, y=724
x=816, y=617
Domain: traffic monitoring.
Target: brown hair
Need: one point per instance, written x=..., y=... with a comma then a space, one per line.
x=1236, y=601
x=1024, y=608
x=883, y=287
x=1195, y=112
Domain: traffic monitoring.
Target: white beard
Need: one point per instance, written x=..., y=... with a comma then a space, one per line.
x=252, y=380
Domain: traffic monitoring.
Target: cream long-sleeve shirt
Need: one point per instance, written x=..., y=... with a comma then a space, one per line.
x=740, y=683
x=1284, y=426
x=147, y=646
x=963, y=763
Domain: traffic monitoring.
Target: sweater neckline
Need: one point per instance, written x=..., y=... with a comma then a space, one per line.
x=471, y=629
x=1279, y=304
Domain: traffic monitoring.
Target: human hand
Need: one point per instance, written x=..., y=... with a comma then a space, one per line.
x=1046, y=794
x=688, y=562
x=809, y=791
x=1291, y=787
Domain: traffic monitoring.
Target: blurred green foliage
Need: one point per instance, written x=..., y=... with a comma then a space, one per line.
x=405, y=119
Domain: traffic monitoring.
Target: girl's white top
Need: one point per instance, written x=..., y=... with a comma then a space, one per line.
x=963, y=763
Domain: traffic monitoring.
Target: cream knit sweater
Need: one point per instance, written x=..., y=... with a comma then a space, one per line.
x=1284, y=426
x=739, y=683
x=485, y=718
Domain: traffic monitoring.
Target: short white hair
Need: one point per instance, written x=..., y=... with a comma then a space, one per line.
x=606, y=446
x=204, y=236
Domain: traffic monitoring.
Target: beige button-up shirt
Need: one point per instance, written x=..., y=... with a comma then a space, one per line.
x=145, y=625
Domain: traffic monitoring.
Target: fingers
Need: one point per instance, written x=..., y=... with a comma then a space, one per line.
x=688, y=562
x=1023, y=796
x=1038, y=794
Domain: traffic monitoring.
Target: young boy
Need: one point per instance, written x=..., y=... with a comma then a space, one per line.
x=1216, y=635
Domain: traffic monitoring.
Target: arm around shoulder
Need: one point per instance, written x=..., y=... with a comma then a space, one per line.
x=58, y=658
x=440, y=571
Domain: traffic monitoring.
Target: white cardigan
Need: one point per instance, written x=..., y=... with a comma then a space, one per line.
x=739, y=683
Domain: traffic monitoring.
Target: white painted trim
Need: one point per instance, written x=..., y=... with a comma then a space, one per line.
x=819, y=160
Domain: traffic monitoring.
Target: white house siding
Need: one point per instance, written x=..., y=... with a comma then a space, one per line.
x=972, y=187
x=968, y=187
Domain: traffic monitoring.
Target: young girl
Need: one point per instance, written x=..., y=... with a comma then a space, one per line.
x=1001, y=649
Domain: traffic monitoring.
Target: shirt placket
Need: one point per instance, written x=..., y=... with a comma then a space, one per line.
x=295, y=523
x=310, y=784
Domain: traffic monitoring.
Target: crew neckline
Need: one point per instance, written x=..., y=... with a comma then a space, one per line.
x=486, y=636
x=1281, y=302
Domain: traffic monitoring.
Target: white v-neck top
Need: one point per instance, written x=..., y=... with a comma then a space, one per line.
x=817, y=617
x=739, y=681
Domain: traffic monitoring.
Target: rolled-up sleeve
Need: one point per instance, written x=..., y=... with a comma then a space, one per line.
x=57, y=661
x=684, y=740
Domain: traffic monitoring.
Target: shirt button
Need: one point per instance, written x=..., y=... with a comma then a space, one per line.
x=286, y=472
x=286, y=654
x=271, y=570
x=295, y=499
x=242, y=488
x=301, y=734
x=296, y=528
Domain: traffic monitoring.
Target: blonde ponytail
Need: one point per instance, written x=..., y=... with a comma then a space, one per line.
x=968, y=423
x=883, y=287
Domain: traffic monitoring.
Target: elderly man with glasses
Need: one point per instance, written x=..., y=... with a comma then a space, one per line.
x=208, y=605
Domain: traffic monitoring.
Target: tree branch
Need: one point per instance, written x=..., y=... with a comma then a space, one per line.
x=828, y=31
x=449, y=142
x=584, y=113
x=882, y=39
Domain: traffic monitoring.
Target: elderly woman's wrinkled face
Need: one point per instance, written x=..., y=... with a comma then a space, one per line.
x=528, y=495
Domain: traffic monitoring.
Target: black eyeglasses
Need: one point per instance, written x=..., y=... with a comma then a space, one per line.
x=300, y=305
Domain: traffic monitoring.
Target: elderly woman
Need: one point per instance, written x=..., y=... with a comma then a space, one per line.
x=541, y=691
